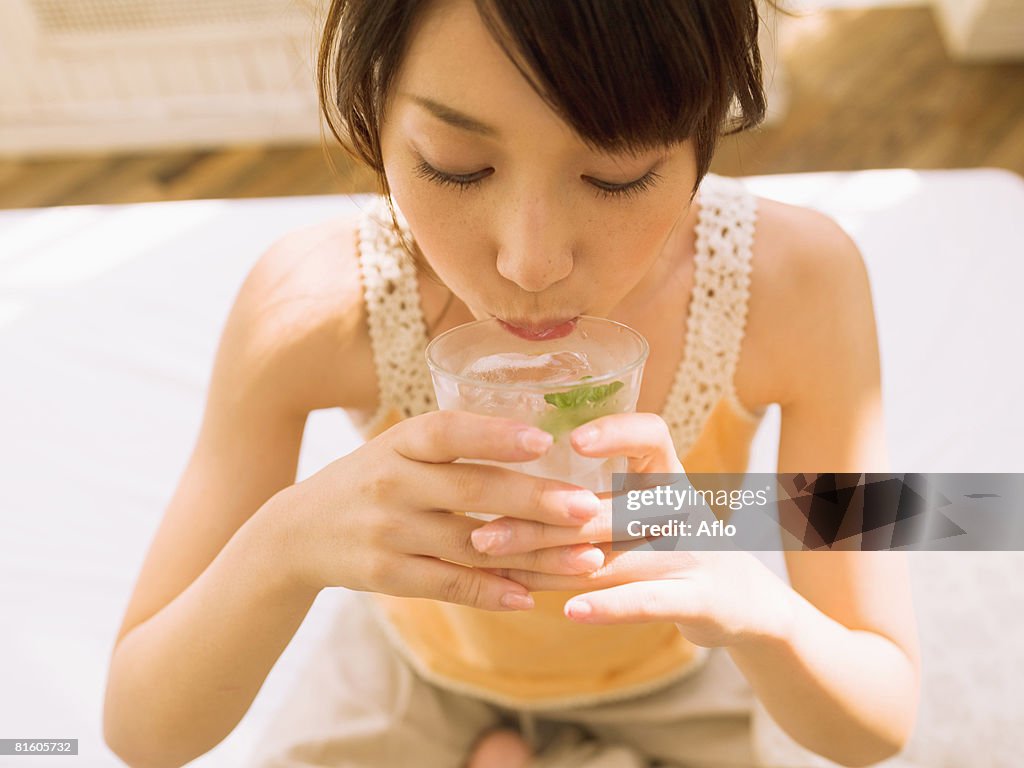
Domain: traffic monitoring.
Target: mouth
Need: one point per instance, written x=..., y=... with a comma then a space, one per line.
x=540, y=330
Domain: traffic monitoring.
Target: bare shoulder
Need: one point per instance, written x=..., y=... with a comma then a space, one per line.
x=304, y=295
x=807, y=278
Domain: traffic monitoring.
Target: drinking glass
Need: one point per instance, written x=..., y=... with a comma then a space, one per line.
x=554, y=384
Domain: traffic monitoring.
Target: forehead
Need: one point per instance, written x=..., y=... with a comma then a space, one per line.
x=452, y=58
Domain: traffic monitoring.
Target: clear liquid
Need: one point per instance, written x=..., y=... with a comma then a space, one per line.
x=567, y=367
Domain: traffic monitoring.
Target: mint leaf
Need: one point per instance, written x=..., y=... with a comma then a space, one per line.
x=578, y=406
x=586, y=394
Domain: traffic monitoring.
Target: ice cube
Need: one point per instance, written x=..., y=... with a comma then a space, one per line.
x=511, y=403
x=564, y=367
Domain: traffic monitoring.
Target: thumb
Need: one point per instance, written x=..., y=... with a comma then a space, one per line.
x=644, y=438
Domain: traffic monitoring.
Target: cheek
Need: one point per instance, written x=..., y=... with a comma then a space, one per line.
x=626, y=245
x=444, y=231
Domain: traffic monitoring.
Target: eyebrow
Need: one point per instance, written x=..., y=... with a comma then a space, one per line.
x=454, y=117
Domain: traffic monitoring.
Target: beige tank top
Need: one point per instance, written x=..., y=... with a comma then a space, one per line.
x=539, y=659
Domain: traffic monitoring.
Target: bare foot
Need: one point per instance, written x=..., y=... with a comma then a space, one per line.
x=500, y=748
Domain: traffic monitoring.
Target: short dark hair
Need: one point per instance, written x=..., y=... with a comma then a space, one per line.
x=624, y=74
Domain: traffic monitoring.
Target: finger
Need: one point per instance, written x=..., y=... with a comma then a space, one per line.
x=444, y=436
x=499, y=491
x=636, y=603
x=448, y=536
x=620, y=567
x=508, y=535
x=643, y=437
x=428, y=577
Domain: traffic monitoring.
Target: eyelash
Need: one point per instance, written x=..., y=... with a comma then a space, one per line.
x=630, y=189
x=426, y=171
x=624, y=191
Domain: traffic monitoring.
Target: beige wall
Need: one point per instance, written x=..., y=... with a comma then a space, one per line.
x=124, y=74
x=982, y=29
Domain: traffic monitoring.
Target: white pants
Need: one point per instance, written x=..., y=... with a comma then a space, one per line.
x=359, y=704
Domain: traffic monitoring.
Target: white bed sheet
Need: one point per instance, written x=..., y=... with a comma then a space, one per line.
x=109, y=320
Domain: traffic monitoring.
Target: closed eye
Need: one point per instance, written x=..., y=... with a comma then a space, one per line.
x=605, y=189
x=458, y=180
x=628, y=189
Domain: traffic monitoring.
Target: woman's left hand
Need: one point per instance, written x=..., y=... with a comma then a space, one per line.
x=716, y=598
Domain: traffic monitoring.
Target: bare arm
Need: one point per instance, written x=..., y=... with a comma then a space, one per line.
x=182, y=680
x=844, y=680
x=243, y=549
x=212, y=611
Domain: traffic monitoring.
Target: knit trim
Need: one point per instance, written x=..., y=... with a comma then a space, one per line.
x=398, y=332
x=718, y=309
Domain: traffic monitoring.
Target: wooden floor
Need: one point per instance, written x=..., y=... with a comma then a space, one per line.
x=867, y=89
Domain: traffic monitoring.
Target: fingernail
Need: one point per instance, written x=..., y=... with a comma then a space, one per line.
x=534, y=440
x=585, y=436
x=578, y=609
x=589, y=559
x=488, y=538
x=584, y=505
x=517, y=601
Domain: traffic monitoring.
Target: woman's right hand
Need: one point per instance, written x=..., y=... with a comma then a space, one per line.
x=379, y=519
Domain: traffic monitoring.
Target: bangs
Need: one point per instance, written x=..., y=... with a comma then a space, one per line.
x=625, y=75
x=629, y=75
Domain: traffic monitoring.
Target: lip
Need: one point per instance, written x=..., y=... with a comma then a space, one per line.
x=540, y=331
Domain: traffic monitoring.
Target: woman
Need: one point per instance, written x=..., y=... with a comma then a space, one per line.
x=539, y=161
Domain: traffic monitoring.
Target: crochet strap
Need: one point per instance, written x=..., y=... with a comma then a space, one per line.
x=398, y=332
x=718, y=309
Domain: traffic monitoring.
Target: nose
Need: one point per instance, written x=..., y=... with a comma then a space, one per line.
x=535, y=249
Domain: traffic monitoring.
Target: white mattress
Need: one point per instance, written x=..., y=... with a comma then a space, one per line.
x=109, y=319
